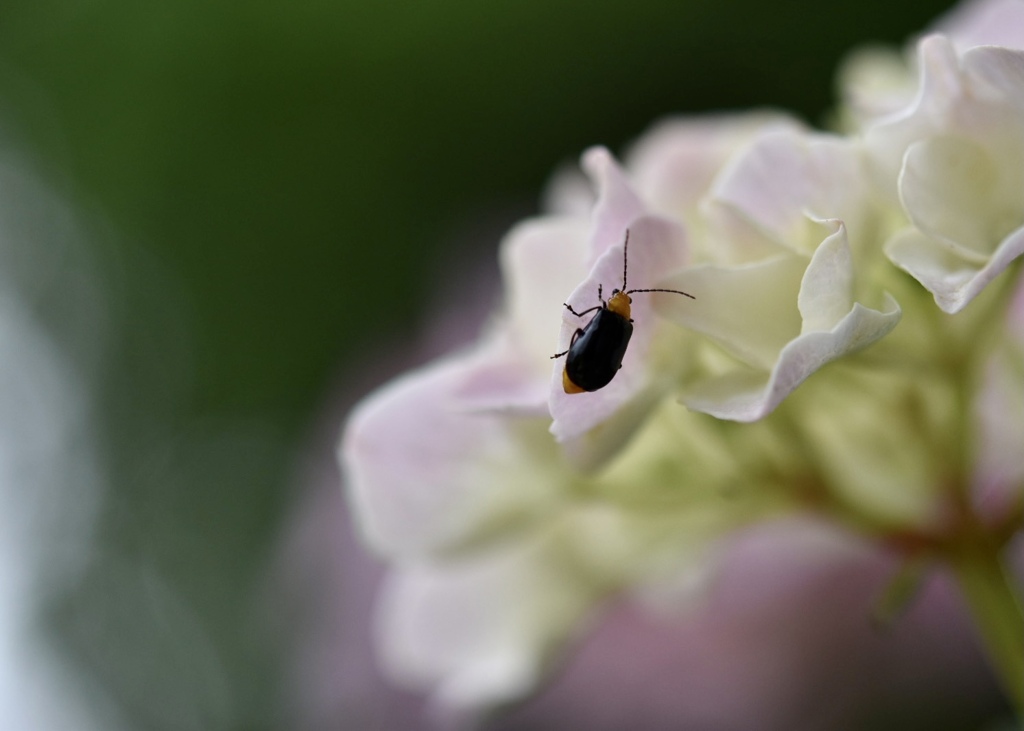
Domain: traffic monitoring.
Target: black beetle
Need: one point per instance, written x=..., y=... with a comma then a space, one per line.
x=596, y=350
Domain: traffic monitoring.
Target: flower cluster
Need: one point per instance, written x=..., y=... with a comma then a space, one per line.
x=854, y=350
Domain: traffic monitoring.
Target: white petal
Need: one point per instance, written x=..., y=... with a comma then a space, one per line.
x=733, y=238
x=786, y=177
x=749, y=310
x=423, y=474
x=941, y=84
x=749, y=395
x=950, y=189
x=826, y=291
x=941, y=80
x=480, y=631
x=951, y=280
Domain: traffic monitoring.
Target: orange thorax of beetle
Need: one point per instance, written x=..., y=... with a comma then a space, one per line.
x=619, y=304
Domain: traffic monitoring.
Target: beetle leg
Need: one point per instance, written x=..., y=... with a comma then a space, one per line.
x=580, y=314
x=575, y=337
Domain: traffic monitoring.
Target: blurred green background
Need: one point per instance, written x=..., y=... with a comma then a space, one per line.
x=266, y=187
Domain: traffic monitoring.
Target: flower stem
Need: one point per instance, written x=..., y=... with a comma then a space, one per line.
x=997, y=611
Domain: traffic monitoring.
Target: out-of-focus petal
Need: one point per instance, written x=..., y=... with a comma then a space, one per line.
x=1002, y=69
x=875, y=83
x=864, y=427
x=617, y=204
x=568, y=193
x=879, y=82
x=673, y=165
x=999, y=413
x=478, y=632
x=787, y=178
x=1000, y=473
x=424, y=474
x=984, y=23
x=503, y=376
x=541, y=261
x=889, y=138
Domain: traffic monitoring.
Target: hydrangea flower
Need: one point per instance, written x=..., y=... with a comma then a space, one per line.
x=809, y=377
x=958, y=157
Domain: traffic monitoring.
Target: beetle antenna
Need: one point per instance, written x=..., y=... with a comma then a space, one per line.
x=674, y=291
x=625, y=260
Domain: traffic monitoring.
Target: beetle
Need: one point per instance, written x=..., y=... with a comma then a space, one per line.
x=596, y=350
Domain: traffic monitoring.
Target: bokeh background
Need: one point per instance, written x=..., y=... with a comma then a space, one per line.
x=226, y=211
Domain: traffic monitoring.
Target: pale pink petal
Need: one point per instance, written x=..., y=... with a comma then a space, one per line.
x=617, y=204
x=1002, y=69
x=423, y=473
x=541, y=260
x=481, y=631
x=788, y=177
x=1000, y=472
x=503, y=377
x=999, y=411
x=783, y=644
x=673, y=164
x=984, y=23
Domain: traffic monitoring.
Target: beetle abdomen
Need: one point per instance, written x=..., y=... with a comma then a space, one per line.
x=595, y=357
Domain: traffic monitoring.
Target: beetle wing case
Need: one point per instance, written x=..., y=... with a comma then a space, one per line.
x=596, y=356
